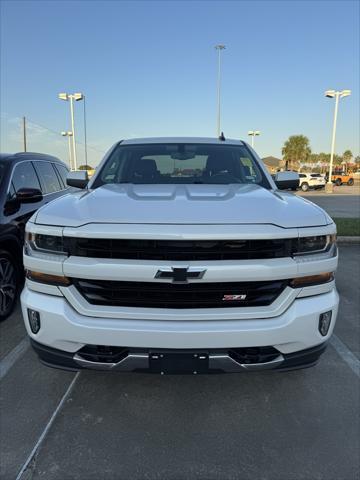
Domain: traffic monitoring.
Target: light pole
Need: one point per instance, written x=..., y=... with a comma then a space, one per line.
x=337, y=95
x=253, y=134
x=219, y=48
x=24, y=133
x=69, y=135
x=72, y=97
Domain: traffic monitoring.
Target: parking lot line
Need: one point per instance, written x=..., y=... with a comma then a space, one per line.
x=346, y=354
x=12, y=357
x=47, y=426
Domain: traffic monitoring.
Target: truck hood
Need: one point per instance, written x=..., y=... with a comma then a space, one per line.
x=182, y=204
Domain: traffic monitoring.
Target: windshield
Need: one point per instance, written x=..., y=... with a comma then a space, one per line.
x=181, y=164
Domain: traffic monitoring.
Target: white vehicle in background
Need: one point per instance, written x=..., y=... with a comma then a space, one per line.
x=311, y=181
x=180, y=255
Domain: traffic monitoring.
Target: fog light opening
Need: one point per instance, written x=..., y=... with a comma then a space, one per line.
x=34, y=320
x=324, y=322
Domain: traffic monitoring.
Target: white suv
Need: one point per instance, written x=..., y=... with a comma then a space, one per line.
x=311, y=181
x=180, y=255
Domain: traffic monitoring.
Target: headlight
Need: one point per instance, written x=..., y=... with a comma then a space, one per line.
x=39, y=242
x=315, y=244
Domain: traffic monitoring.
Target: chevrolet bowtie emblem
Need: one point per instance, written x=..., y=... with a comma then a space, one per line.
x=180, y=275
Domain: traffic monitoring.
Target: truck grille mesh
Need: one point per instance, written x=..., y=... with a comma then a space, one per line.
x=187, y=250
x=168, y=295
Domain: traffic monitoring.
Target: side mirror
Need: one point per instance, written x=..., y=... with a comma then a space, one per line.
x=77, y=179
x=29, y=195
x=287, y=180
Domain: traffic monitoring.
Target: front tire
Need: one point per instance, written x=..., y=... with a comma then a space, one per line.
x=9, y=283
x=350, y=182
x=338, y=182
x=304, y=187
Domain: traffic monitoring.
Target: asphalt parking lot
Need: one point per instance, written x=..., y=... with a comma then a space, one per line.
x=301, y=425
x=344, y=202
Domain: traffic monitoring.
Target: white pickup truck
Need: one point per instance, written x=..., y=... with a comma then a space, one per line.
x=180, y=255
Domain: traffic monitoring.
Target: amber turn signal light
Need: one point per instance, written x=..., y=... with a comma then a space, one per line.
x=57, y=280
x=311, y=280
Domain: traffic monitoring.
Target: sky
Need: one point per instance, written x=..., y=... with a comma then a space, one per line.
x=149, y=68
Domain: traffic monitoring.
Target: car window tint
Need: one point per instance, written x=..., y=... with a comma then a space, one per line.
x=2, y=171
x=24, y=176
x=63, y=171
x=48, y=178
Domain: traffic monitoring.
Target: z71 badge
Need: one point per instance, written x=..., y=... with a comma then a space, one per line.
x=231, y=298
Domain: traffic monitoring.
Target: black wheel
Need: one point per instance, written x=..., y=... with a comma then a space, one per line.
x=350, y=182
x=304, y=187
x=9, y=284
x=338, y=182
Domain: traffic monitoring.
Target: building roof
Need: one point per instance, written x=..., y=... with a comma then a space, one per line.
x=272, y=161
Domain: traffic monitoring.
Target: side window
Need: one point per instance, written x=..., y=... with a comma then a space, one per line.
x=24, y=176
x=248, y=170
x=62, y=171
x=48, y=178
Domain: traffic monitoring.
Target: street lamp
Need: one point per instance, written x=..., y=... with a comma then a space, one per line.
x=219, y=48
x=72, y=97
x=253, y=134
x=69, y=135
x=334, y=94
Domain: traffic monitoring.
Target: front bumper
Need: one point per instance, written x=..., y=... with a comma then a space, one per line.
x=64, y=329
x=181, y=362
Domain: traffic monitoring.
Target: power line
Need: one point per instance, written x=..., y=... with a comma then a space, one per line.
x=57, y=133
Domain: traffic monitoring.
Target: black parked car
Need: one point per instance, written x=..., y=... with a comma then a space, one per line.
x=27, y=181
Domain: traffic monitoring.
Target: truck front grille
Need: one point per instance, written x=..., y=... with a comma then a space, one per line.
x=190, y=295
x=179, y=249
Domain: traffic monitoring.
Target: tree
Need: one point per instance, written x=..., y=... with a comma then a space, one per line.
x=85, y=167
x=296, y=150
x=347, y=156
x=357, y=159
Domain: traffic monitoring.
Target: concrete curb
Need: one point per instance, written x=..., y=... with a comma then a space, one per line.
x=348, y=240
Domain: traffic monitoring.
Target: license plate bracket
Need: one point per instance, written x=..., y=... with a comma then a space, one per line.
x=186, y=363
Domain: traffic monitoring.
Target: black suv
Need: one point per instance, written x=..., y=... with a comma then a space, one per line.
x=27, y=182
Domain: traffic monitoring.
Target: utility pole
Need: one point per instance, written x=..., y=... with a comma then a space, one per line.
x=73, y=131
x=253, y=134
x=337, y=95
x=219, y=48
x=69, y=135
x=24, y=133
x=85, y=133
x=72, y=97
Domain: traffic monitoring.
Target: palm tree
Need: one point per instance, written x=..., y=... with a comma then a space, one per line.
x=347, y=156
x=296, y=150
